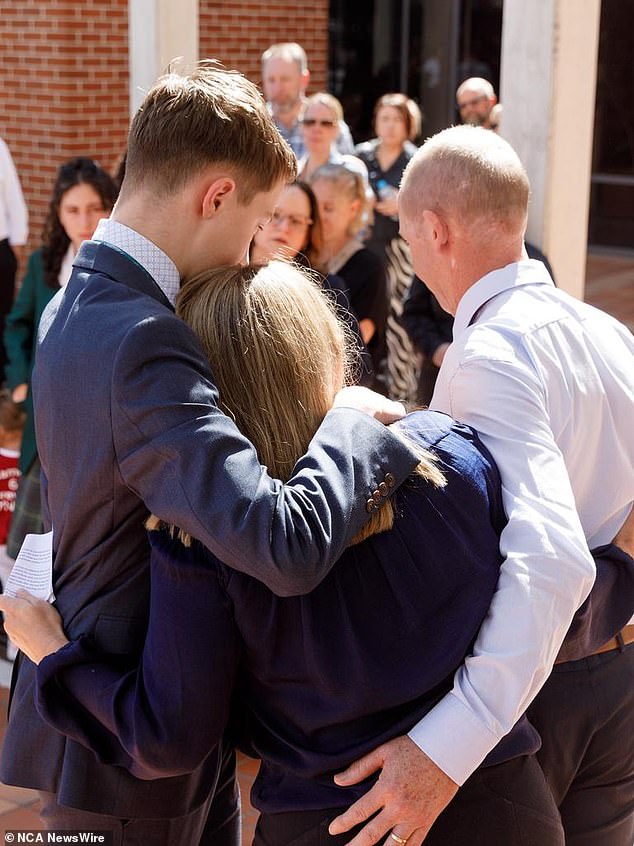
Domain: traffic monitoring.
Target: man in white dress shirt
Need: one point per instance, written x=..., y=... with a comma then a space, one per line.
x=13, y=233
x=548, y=382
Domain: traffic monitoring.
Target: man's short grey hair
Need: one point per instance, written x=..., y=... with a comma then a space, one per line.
x=468, y=174
x=476, y=83
x=288, y=51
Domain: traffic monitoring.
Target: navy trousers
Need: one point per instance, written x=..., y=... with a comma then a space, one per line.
x=215, y=823
x=508, y=804
x=585, y=716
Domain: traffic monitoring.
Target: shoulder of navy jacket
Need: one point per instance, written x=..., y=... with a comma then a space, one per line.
x=87, y=255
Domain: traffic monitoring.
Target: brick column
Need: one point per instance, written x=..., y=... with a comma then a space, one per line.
x=237, y=33
x=64, y=84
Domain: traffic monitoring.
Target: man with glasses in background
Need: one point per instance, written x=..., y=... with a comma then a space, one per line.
x=475, y=99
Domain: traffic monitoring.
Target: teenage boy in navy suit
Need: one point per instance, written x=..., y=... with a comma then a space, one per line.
x=127, y=422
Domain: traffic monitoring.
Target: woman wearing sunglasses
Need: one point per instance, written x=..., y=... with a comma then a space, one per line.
x=320, y=126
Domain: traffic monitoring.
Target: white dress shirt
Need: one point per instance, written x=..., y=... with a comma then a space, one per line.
x=151, y=258
x=548, y=382
x=14, y=219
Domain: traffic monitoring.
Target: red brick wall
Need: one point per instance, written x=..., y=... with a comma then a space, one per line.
x=64, y=74
x=64, y=89
x=238, y=32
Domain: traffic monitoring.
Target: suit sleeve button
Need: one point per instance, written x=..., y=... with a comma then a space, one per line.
x=370, y=506
x=390, y=481
x=383, y=489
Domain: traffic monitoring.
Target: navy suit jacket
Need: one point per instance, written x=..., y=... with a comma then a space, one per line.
x=127, y=421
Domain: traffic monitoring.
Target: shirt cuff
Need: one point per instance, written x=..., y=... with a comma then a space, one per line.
x=454, y=738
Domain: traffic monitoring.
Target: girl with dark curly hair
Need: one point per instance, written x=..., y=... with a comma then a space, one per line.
x=83, y=193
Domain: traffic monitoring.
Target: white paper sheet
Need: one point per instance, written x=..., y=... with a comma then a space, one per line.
x=33, y=568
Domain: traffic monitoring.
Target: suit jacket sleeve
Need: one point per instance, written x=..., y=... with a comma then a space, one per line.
x=192, y=467
x=163, y=717
x=607, y=608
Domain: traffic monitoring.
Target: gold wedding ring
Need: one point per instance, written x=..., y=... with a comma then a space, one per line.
x=400, y=840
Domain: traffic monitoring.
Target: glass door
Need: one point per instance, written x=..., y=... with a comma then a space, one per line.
x=423, y=48
x=612, y=196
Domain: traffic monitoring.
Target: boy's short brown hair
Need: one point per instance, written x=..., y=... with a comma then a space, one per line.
x=211, y=116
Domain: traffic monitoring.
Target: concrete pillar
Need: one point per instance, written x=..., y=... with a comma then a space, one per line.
x=547, y=89
x=160, y=31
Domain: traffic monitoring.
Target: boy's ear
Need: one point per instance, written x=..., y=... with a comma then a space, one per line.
x=216, y=194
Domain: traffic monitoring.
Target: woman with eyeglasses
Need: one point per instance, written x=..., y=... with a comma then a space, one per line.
x=294, y=234
x=83, y=193
x=397, y=121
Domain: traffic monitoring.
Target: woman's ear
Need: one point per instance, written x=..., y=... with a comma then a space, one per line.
x=216, y=195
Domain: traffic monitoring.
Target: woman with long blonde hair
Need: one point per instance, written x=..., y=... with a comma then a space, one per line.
x=311, y=683
x=342, y=203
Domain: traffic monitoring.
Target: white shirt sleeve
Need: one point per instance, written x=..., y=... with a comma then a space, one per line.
x=12, y=206
x=547, y=572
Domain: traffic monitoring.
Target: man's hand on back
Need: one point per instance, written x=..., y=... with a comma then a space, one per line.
x=408, y=797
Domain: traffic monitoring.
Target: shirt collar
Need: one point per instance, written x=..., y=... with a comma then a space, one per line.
x=151, y=258
x=66, y=267
x=526, y=272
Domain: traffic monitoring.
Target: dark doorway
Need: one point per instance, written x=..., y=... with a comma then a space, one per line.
x=423, y=48
x=612, y=197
